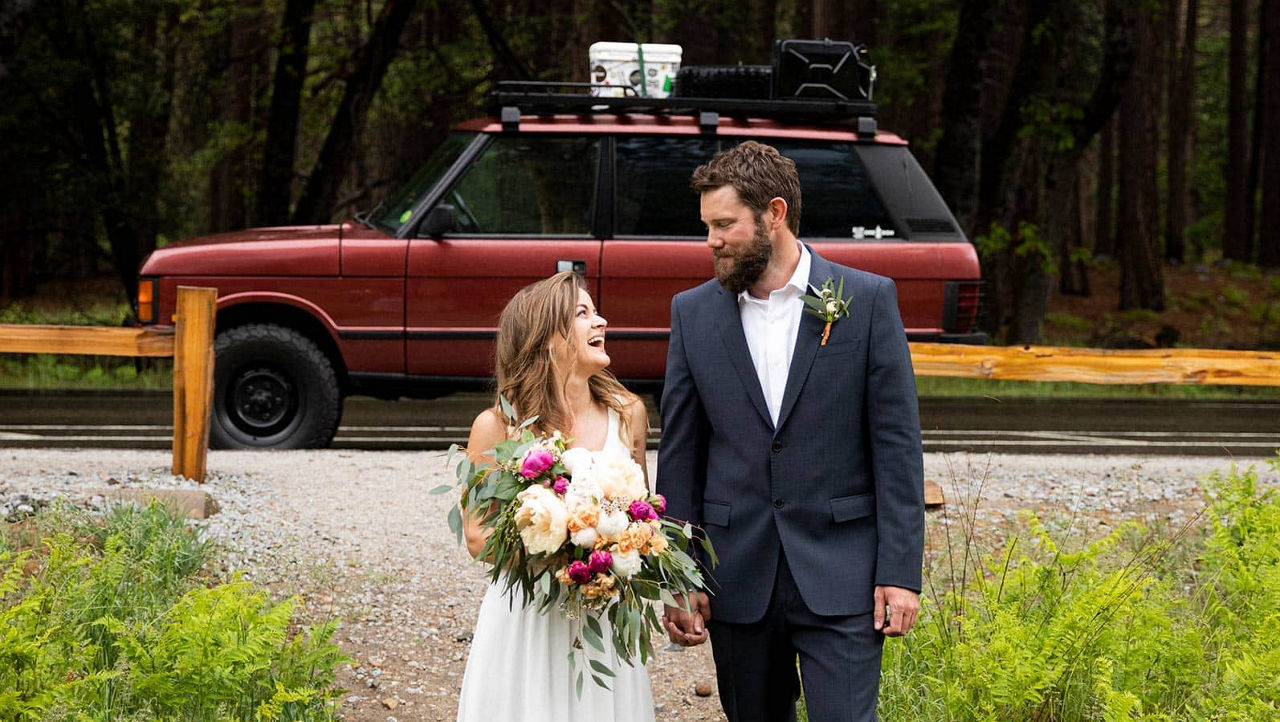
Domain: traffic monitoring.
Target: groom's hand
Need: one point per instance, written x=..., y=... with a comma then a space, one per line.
x=688, y=628
x=903, y=608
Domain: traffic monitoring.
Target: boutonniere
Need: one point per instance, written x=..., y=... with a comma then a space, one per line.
x=827, y=303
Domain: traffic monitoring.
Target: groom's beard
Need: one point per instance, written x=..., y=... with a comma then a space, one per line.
x=738, y=271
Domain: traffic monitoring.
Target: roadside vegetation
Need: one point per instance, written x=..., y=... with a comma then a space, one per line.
x=1152, y=623
x=117, y=617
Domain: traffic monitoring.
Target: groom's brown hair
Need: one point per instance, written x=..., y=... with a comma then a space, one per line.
x=759, y=173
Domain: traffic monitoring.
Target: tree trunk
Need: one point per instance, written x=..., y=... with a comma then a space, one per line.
x=1260, y=121
x=321, y=191
x=1073, y=279
x=1236, y=245
x=1181, y=91
x=1104, y=234
x=1141, y=271
x=229, y=186
x=274, y=190
x=959, y=154
x=1269, y=237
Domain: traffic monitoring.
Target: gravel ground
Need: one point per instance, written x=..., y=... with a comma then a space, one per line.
x=357, y=537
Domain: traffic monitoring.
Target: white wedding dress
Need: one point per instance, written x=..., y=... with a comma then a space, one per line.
x=519, y=664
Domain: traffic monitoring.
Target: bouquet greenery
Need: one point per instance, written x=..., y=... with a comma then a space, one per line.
x=578, y=530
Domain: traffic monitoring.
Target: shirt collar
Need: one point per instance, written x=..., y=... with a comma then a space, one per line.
x=799, y=280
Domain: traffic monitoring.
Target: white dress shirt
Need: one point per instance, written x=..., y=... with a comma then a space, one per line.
x=771, y=325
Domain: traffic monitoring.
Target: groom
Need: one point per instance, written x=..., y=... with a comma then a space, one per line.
x=799, y=458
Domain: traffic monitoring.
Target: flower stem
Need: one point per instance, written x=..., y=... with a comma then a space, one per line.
x=826, y=331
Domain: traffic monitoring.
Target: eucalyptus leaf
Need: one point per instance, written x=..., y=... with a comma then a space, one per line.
x=455, y=522
x=593, y=638
x=602, y=668
x=441, y=489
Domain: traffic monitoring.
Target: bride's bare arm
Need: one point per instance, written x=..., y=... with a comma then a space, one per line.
x=638, y=425
x=486, y=431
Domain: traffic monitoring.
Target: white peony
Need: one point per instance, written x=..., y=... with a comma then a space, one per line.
x=576, y=461
x=625, y=564
x=613, y=523
x=584, y=538
x=619, y=476
x=542, y=519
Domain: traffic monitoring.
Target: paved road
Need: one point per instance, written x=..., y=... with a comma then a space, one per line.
x=143, y=421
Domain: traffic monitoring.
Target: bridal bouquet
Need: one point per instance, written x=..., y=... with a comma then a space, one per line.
x=579, y=530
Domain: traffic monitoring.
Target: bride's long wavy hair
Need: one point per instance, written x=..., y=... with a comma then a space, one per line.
x=525, y=364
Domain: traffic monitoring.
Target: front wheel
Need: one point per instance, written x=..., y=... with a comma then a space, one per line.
x=273, y=388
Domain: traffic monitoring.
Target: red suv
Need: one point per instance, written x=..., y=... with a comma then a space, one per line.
x=403, y=300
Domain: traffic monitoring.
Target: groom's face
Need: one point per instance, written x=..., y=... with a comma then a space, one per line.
x=739, y=243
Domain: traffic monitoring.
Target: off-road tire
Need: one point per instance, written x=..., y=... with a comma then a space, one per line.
x=273, y=388
x=725, y=81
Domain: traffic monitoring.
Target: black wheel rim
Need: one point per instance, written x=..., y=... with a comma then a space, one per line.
x=261, y=401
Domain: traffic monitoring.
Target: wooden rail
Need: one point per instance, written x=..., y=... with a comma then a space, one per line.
x=1098, y=366
x=190, y=343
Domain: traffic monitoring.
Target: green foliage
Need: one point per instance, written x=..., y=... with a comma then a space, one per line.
x=1137, y=625
x=108, y=618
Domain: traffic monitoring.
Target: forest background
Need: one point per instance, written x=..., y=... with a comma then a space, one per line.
x=1075, y=141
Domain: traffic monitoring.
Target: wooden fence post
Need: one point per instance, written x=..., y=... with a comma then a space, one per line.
x=192, y=379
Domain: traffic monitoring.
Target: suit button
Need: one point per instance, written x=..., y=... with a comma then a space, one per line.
x=777, y=446
x=778, y=503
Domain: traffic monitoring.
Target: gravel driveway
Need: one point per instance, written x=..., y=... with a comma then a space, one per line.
x=356, y=536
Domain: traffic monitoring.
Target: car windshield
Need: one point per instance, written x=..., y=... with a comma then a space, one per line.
x=401, y=206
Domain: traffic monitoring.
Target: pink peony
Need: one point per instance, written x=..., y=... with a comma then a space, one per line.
x=536, y=462
x=659, y=503
x=580, y=573
x=641, y=511
x=560, y=486
x=600, y=562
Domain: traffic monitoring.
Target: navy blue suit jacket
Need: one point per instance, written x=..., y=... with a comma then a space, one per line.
x=838, y=484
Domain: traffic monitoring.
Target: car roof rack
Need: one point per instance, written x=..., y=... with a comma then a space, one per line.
x=512, y=99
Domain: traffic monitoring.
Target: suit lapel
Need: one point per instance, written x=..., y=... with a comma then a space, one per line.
x=729, y=321
x=806, y=342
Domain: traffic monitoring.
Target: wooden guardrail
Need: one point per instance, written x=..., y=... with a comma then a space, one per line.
x=190, y=343
x=1098, y=366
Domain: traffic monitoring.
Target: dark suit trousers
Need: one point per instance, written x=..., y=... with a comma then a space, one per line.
x=756, y=663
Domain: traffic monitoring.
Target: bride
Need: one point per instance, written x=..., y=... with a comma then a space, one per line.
x=550, y=364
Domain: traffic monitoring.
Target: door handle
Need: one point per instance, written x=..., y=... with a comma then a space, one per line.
x=578, y=267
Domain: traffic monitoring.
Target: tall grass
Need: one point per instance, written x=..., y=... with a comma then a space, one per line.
x=115, y=618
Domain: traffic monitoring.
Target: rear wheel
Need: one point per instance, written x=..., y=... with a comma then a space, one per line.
x=273, y=389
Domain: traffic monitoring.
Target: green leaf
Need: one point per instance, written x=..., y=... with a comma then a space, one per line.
x=455, y=522
x=578, y=685
x=507, y=409
x=710, y=551
x=593, y=637
x=441, y=489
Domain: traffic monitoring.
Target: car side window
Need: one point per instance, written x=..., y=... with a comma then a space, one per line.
x=838, y=198
x=528, y=185
x=653, y=196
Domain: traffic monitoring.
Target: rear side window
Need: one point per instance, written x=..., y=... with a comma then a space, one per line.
x=654, y=199
x=528, y=185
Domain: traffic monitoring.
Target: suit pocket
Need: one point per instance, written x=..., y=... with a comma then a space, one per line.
x=848, y=508
x=715, y=513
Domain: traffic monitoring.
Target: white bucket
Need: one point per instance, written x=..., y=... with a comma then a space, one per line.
x=619, y=64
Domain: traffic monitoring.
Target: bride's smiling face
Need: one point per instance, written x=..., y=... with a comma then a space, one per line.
x=583, y=350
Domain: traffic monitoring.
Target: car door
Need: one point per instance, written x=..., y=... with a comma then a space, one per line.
x=523, y=210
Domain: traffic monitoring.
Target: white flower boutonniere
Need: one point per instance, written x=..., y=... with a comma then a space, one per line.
x=827, y=303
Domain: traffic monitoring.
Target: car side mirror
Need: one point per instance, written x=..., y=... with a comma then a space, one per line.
x=440, y=220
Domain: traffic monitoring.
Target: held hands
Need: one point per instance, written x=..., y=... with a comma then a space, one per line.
x=904, y=607
x=688, y=628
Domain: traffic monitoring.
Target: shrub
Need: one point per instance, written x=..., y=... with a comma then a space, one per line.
x=113, y=618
